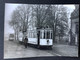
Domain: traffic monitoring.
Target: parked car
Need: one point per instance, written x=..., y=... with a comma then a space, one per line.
x=11, y=37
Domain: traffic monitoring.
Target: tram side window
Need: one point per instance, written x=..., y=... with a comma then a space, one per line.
x=28, y=34
x=34, y=35
x=40, y=34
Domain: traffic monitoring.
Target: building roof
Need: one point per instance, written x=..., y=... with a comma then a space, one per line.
x=75, y=13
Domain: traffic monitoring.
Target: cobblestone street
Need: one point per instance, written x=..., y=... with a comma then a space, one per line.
x=13, y=49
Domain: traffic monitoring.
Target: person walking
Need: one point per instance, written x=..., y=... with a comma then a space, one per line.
x=26, y=42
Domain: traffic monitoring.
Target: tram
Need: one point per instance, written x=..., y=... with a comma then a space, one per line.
x=42, y=37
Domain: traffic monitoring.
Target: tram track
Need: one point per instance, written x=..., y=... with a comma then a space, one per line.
x=54, y=53
x=51, y=51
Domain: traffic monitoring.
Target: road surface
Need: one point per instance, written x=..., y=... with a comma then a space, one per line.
x=13, y=49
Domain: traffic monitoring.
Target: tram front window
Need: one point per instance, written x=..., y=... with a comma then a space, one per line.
x=44, y=35
x=51, y=35
x=48, y=35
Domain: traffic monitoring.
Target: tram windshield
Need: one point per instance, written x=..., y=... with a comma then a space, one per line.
x=46, y=34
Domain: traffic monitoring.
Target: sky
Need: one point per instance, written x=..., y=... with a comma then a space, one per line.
x=70, y=7
x=9, y=7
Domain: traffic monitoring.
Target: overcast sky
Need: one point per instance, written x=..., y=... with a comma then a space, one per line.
x=9, y=9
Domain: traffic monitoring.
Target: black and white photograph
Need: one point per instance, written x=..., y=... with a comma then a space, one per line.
x=41, y=30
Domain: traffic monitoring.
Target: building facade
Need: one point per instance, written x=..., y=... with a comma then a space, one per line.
x=74, y=33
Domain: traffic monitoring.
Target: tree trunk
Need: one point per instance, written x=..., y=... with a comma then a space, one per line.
x=15, y=35
x=59, y=38
x=23, y=37
x=54, y=33
x=14, y=32
x=53, y=36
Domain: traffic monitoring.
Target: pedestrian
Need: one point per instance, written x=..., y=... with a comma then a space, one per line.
x=26, y=42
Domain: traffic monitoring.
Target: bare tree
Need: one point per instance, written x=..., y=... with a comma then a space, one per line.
x=57, y=19
x=51, y=19
x=20, y=19
x=40, y=12
x=62, y=22
x=14, y=23
x=42, y=16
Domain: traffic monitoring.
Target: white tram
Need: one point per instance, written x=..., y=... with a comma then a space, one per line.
x=45, y=37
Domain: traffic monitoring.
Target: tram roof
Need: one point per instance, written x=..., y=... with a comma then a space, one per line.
x=45, y=29
x=48, y=29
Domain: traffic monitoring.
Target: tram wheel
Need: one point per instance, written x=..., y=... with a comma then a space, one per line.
x=51, y=47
